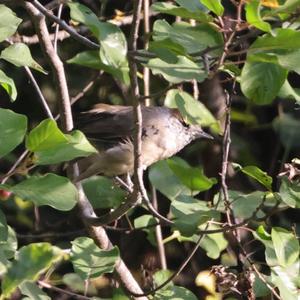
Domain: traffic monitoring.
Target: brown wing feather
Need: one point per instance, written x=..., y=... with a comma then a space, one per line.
x=107, y=124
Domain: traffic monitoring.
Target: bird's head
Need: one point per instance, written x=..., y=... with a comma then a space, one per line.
x=197, y=132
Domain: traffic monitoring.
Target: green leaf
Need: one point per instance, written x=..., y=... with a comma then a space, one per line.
x=192, y=111
x=10, y=246
x=92, y=60
x=193, y=178
x=76, y=284
x=45, y=136
x=265, y=238
x=89, y=261
x=288, y=128
x=31, y=262
x=259, y=175
x=213, y=244
x=77, y=145
x=164, y=180
x=192, y=5
x=214, y=5
x=282, y=48
x=113, y=50
x=8, y=84
x=287, y=281
x=102, y=192
x=9, y=22
x=261, y=82
x=262, y=233
x=284, y=39
x=19, y=55
x=13, y=127
x=82, y=14
x=32, y=291
x=192, y=38
x=190, y=213
x=175, y=293
x=290, y=192
x=161, y=276
x=174, y=10
x=147, y=221
x=289, y=6
x=165, y=48
x=253, y=16
x=286, y=246
x=53, y=190
x=244, y=205
x=183, y=69
x=3, y=228
x=288, y=92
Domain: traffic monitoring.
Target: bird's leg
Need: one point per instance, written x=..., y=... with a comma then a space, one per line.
x=129, y=181
x=124, y=182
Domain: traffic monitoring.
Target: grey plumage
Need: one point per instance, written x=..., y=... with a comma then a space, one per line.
x=110, y=128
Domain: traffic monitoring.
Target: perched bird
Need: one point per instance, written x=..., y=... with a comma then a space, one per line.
x=110, y=129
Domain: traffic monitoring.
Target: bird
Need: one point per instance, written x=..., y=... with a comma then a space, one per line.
x=110, y=130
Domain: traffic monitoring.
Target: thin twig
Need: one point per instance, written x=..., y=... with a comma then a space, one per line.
x=80, y=38
x=60, y=7
x=62, y=291
x=39, y=92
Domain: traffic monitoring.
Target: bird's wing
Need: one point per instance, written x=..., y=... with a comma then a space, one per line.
x=106, y=125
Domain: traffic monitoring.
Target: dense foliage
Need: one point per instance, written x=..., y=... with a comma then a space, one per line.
x=231, y=66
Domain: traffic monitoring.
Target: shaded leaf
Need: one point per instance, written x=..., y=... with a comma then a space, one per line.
x=13, y=127
x=102, y=192
x=183, y=69
x=192, y=38
x=91, y=59
x=175, y=293
x=32, y=291
x=261, y=82
x=9, y=246
x=190, y=213
x=77, y=284
x=259, y=175
x=31, y=261
x=290, y=192
x=90, y=261
x=288, y=128
x=3, y=228
x=288, y=92
x=174, y=10
x=193, y=178
x=164, y=180
x=53, y=190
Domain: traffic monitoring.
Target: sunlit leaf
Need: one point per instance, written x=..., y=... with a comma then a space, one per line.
x=9, y=22
x=8, y=84
x=19, y=55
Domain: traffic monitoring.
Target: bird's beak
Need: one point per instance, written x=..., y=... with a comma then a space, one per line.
x=206, y=135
